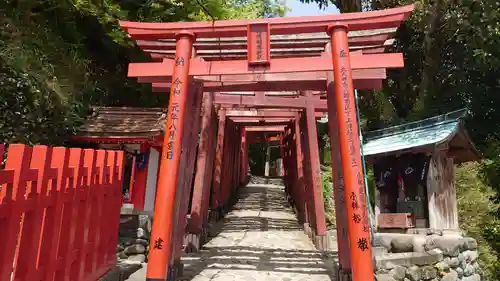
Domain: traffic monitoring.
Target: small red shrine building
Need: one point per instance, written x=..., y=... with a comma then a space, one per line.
x=137, y=131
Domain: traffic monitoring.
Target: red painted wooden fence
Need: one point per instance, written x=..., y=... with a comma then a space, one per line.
x=59, y=212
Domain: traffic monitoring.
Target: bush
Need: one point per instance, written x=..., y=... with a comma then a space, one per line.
x=477, y=215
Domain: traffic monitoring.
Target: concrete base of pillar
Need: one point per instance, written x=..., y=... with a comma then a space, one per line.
x=214, y=216
x=322, y=242
x=204, y=235
x=344, y=275
x=195, y=241
x=178, y=269
x=192, y=242
x=307, y=229
x=171, y=273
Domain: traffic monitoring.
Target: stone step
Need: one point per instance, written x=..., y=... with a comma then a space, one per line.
x=389, y=261
x=379, y=251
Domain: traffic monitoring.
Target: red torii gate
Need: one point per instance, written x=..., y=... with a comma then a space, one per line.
x=254, y=74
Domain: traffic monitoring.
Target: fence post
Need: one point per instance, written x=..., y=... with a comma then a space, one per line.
x=53, y=214
x=26, y=266
x=115, y=202
x=84, y=196
x=95, y=189
x=74, y=188
x=17, y=164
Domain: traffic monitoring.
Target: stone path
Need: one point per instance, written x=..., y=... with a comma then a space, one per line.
x=259, y=240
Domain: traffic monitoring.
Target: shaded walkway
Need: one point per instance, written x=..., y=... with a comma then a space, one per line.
x=259, y=240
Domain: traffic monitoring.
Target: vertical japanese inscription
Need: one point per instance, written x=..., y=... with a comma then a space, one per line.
x=174, y=112
x=158, y=243
x=259, y=43
x=347, y=112
x=357, y=201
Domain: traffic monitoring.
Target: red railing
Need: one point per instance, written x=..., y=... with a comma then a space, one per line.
x=59, y=212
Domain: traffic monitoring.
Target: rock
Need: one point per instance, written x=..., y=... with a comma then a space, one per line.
x=437, y=231
x=402, y=244
x=137, y=258
x=414, y=273
x=122, y=255
x=470, y=256
x=460, y=272
x=475, y=277
x=418, y=243
x=143, y=242
x=469, y=270
x=451, y=276
x=135, y=249
x=126, y=241
x=463, y=264
x=145, y=223
x=384, y=277
x=461, y=257
x=141, y=233
x=127, y=233
x=428, y=272
x=450, y=245
x=469, y=243
x=398, y=272
x=452, y=262
x=442, y=267
x=381, y=240
x=476, y=266
x=119, y=248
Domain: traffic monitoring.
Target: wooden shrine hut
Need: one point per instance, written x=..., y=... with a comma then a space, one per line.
x=413, y=168
x=138, y=131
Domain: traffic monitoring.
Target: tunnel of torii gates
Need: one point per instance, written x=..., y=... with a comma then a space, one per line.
x=302, y=64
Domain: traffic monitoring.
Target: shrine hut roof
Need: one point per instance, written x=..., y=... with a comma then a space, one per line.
x=282, y=46
x=115, y=123
x=447, y=130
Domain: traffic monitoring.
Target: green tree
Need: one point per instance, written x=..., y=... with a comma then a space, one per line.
x=59, y=57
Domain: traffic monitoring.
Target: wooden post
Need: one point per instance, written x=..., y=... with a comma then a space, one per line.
x=140, y=180
x=211, y=164
x=321, y=238
x=244, y=156
x=219, y=157
x=190, y=142
x=161, y=236
x=201, y=182
x=338, y=182
x=308, y=180
x=301, y=180
x=358, y=226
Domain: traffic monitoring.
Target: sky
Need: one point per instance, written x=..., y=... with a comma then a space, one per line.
x=301, y=9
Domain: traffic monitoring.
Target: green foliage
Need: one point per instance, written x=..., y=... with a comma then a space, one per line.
x=59, y=57
x=478, y=215
x=329, y=204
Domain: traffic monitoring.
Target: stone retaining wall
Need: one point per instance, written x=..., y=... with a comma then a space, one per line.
x=416, y=257
x=133, y=241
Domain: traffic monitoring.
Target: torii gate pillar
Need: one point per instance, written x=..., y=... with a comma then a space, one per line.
x=162, y=234
x=354, y=192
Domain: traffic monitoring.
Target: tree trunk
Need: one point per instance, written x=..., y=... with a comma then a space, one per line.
x=431, y=56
